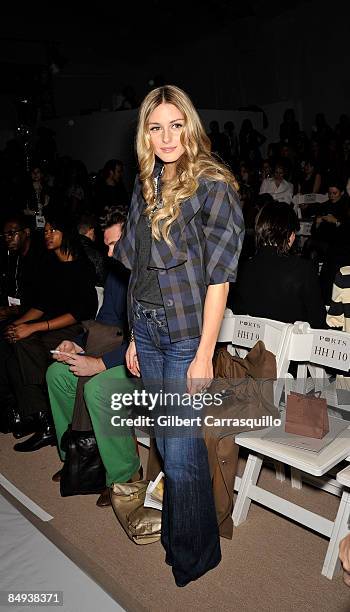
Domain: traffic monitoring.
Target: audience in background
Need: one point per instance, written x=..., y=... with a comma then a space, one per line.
x=65, y=296
x=87, y=228
x=218, y=140
x=37, y=194
x=310, y=180
x=231, y=154
x=76, y=195
x=250, y=141
x=322, y=133
x=110, y=189
x=330, y=216
x=280, y=189
x=286, y=158
x=19, y=265
x=289, y=128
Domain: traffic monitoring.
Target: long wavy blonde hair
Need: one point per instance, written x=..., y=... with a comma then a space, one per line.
x=197, y=160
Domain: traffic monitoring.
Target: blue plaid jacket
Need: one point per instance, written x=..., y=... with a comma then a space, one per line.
x=206, y=243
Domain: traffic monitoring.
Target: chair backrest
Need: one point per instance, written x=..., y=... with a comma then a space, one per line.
x=324, y=347
x=317, y=349
x=243, y=331
x=309, y=198
x=100, y=293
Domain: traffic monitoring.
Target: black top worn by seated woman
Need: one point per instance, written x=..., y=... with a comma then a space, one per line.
x=64, y=287
x=282, y=287
x=67, y=287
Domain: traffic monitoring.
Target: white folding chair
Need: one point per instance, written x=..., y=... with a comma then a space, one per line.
x=243, y=332
x=308, y=198
x=316, y=464
x=314, y=350
x=305, y=226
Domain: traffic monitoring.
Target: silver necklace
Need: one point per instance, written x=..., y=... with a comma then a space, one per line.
x=158, y=202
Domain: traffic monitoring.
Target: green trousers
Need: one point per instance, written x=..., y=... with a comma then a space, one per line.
x=117, y=446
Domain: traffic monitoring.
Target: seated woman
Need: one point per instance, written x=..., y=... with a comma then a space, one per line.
x=310, y=180
x=66, y=296
x=278, y=187
x=329, y=242
x=330, y=215
x=274, y=283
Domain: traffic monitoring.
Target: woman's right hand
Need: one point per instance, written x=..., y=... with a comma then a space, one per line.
x=132, y=362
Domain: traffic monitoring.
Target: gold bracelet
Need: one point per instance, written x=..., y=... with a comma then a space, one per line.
x=132, y=337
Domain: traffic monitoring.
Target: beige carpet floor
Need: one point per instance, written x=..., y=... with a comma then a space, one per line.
x=271, y=564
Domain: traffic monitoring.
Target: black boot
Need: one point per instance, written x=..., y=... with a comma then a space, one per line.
x=45, y=437
x=9, y=416
x=23, y=426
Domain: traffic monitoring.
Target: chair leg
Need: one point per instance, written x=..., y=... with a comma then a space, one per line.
x=340, y=529
x=295, y=477
x=280, y=473
x=243, y=501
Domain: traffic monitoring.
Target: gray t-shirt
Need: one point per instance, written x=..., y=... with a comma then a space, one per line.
x=147, y=290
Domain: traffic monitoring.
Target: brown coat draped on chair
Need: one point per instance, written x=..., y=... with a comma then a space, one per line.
x=248, y=394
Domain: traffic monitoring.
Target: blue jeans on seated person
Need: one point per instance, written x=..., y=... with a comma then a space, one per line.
x=190, y=533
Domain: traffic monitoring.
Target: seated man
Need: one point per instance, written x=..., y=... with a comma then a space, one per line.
x=87, y=231
x=19, y=268
x=118, y=453
x=276, y=284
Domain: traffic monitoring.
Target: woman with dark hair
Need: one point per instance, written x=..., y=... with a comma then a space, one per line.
x=310, y=180
x=274, y=283
x=329, y=241
x=329, y=233
x=65, y=296
x=37, y=194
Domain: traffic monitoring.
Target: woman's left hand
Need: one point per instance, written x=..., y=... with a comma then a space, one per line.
x=14, y=333
x=199, y=374
x=330, y=218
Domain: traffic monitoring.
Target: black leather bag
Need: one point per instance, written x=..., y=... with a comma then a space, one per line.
x=83, y=472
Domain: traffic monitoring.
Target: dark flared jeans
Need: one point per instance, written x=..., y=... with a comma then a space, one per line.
x=190, y=533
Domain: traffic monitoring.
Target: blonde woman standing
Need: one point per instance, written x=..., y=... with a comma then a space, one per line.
x=182, y=244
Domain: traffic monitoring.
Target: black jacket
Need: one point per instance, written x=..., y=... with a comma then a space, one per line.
x=280, y=287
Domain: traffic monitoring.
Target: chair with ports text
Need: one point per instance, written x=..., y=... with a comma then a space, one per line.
x=241, y=333
x=313, y=350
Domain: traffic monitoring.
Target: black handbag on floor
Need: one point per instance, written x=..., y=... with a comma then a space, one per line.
x=83, y=472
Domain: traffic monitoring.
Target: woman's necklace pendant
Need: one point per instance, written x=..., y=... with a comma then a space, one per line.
x=158, y=203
